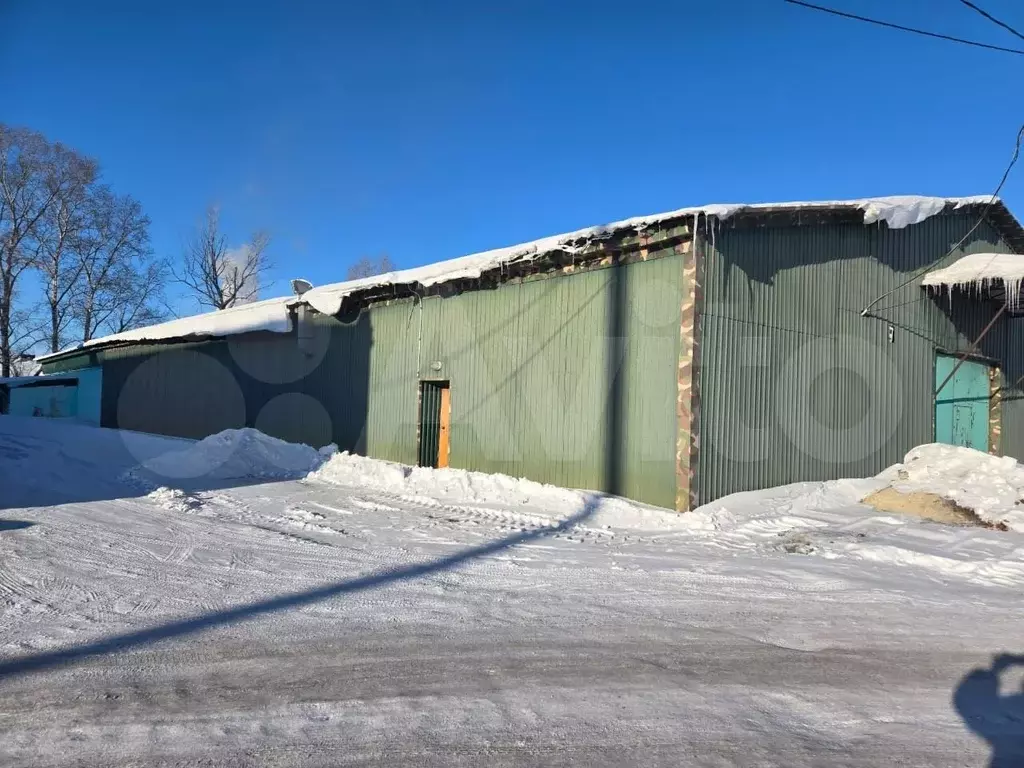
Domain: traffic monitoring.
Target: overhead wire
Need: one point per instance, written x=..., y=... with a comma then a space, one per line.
x=902, y=28
x=981, y=218
x=992, y=18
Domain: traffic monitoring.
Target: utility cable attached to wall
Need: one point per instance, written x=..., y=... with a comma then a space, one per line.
x=984, y=213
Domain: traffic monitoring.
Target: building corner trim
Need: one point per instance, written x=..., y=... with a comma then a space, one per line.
x=688, y=382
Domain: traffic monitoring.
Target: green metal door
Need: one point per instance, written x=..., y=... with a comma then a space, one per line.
x=962, y=405
x=431, y=396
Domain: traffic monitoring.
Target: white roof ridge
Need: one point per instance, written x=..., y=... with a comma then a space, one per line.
x=274, y=315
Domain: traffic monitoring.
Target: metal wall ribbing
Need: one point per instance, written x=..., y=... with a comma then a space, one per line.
x=531, y=372
x=567, y=379
x=796, y=383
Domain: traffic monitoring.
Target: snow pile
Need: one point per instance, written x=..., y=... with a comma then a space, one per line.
x=535, y=502
x=233, y=454
x=990, y=486
x=273, y=315
x=978, y=271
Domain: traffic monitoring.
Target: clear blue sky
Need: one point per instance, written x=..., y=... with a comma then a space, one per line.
x=432, y=129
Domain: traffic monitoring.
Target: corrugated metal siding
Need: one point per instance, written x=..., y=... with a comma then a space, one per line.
x=529, y=370
x=1012, y=395
x=314, y=393
x=530, y=366
x=796, y=384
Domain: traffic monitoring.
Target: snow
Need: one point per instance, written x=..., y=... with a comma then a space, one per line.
x=25, y=366
x=492, y=490
x=897, y=211
x=978, y=271
x=233, y=454
x=273, y=315
x=990, y=486
x=379, y=614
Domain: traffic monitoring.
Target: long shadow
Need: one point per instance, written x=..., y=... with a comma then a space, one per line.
x=42, y=661
x=14, y=525
x=996, y=718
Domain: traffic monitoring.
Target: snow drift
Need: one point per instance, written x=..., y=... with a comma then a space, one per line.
x=531, y=501
x=233, y=454
x=990, y=486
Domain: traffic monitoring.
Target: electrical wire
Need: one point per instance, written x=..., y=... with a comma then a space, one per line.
x=902, y=28
x=962, y=240
x=992, y=18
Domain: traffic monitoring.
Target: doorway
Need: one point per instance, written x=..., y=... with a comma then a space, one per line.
x=962, y=405
x=435, y=423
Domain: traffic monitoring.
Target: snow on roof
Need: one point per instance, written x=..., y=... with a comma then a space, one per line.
x=977, y=271
x=270, y=315
x=274, y=314
x=897, y=211
x=25, y=366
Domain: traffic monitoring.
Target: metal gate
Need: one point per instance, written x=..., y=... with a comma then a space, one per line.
x=962, y=407
x=435, y=410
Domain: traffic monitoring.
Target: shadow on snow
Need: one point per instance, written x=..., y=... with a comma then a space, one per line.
x=997, y=718
x=184, y=627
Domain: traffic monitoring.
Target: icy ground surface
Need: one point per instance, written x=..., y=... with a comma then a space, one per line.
x=373, y=614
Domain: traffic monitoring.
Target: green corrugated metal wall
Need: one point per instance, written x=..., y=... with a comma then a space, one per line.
x=315, y=393
x=795, y=383
x=530, y=367
x=529, y=370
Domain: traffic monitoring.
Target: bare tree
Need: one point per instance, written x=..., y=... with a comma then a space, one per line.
x=132, y=298
x=34, y=175
x=222, y=277
x=114, y=249
x=367, y=267
x=60, y=238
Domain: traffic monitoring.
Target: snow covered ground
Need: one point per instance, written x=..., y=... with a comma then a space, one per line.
x=165, y=603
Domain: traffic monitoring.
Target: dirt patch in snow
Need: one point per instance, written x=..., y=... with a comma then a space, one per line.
x=928, y=506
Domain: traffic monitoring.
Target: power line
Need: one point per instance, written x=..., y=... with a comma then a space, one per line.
x=981, y=218
x=993, y=19
x=914, y=30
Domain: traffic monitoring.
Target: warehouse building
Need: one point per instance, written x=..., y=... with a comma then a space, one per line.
x=673, y=358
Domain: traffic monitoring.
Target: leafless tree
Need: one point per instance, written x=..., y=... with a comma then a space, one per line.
x=114, y=251
x=221, y=277
x=34, y=175
x=367, y=267
x=132, y=298
x=60, y=239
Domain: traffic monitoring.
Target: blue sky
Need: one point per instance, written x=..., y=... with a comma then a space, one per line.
x=428, y=130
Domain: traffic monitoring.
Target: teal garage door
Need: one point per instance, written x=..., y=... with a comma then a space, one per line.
x=961, y=407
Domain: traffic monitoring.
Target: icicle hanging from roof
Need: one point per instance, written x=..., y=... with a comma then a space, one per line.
x=978, y=272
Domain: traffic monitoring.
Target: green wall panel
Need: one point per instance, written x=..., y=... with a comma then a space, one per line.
x=796, y=384
x=531, y=367
x=569, y=379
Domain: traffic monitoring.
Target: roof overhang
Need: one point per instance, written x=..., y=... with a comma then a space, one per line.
x=983, y=274
x=275, y=315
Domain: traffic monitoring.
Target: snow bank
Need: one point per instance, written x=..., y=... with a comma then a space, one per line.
x=274, y=314
x=233, y=454
x=978, y=271
x=990, y=486
x=538, y=503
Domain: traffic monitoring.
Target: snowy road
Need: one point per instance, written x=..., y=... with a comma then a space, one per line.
x=326, y=622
